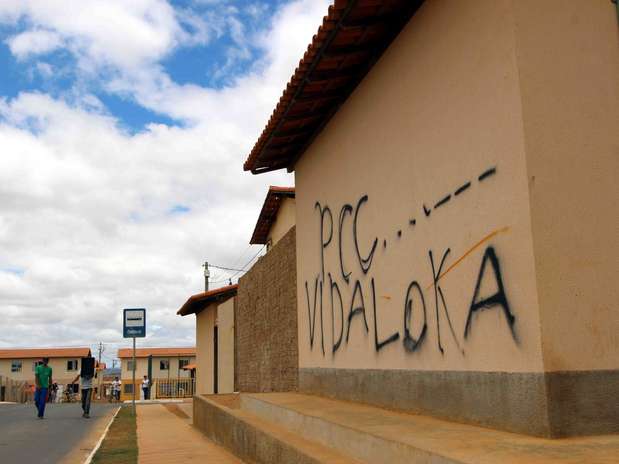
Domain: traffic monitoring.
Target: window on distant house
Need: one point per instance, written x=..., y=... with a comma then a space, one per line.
x=164, y=364
x=130, y=364
x=72, y=365
x=182, y=363
x=35, y=364
x=15, y=366
x=128, y=388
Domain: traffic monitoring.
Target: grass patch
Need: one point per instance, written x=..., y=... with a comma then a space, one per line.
x=120, y=445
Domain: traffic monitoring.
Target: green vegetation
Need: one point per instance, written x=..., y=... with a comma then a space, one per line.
x=120, y=446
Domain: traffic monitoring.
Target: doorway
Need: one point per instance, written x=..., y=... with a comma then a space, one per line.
x=215, y=359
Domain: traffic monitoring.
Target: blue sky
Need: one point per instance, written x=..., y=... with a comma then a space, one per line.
x=123, y=128
x=229, y=51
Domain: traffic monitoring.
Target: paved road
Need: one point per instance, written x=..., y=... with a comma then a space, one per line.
x=62, y=436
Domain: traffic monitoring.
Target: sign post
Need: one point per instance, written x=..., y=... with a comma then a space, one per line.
x=134, y=325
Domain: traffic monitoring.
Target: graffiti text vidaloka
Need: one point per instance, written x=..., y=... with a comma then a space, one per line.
x=324, y=298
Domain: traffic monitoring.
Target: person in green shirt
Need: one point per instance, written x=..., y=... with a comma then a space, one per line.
x=42, y=379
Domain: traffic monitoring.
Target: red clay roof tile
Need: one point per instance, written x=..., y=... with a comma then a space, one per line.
x=268, y=214
x=38, y=353
x=197, y=303
x=146, y=352
x=353, y=35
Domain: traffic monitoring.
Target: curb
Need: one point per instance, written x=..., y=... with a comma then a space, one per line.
x=98, y=445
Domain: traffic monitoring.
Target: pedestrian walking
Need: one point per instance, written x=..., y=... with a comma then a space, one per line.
x=42, y=380
x=116, y=384
x=146, y=387
x=53, y=390
x=86, y=385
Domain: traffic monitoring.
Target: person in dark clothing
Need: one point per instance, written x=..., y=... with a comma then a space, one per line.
x=86, y=387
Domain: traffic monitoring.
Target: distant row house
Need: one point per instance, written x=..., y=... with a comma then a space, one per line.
x=17, y=367
x=169, y=370
x=19, y=364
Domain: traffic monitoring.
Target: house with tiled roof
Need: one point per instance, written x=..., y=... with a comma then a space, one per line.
x=18, y=363
x=215, y=338
x=231, y=320
x=165, y=367
x=276, y=217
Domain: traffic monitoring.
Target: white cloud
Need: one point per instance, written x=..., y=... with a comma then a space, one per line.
x=124, y=34
x=85, y=206
x=33, y=42
x=249, y=98
x=45, y=69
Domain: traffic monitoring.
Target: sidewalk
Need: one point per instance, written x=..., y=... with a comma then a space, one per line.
x=165, y=435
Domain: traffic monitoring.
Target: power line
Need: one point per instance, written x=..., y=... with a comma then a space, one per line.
x=224, y=268
x=236, y=271
x=242, y=255
x=249, y=262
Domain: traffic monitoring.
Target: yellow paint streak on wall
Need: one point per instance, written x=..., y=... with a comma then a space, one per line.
x=468, y=252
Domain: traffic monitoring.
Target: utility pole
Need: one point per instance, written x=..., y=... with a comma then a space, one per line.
x=207, y=274
x=133, y=378
x=101, y=350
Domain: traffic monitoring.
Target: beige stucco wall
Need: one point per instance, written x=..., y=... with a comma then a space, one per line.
x=284, y=221
x=60, y=374
x=568, y=59
x=528, y=88
x=205, y=321
x=440, y=107
x=223, y=316
x=225, y=341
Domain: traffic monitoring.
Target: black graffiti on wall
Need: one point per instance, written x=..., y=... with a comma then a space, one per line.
x=346, y=209
x=464, y=187
x=356, y=309
x=438, y=291
x=497, y=299
x=336, y=344
x=366, y=262
x=391, y=338
x=415, y=316
x=412, y=341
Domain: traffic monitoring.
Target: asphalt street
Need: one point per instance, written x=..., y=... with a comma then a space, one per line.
x=24, y=439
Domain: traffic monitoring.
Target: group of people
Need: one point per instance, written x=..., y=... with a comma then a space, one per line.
x=117, y=384
x=45, y=387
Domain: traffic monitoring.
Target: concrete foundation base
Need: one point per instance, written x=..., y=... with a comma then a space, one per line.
x=552, y=404
x=297, y=428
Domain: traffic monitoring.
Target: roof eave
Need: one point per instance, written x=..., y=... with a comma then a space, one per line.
x=313, y=109
x=206, y=298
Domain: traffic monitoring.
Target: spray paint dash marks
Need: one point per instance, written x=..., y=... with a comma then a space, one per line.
x=442, y=201
x=462, y=189
x=486, y=174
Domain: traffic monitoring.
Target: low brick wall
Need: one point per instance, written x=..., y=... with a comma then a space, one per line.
x=219, y=418
x=266, y=338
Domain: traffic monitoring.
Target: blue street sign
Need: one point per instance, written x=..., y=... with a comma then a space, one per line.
x=134, y=322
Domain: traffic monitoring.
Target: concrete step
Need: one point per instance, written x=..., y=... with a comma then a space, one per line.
x=256, y=440
x=376, y=435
